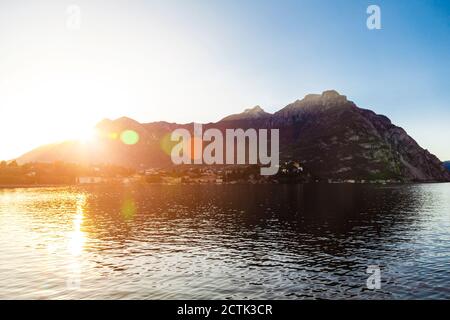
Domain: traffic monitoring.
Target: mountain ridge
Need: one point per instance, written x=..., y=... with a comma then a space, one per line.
x=330, y=135
x=251, y=113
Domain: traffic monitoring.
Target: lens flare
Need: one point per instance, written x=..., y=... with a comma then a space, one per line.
x=128, y=209
x=129, y=137
x=167, y=144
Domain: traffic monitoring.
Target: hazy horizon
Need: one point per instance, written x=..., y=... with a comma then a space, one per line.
x=185, y=61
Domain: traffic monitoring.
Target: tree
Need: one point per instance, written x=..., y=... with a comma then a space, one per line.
x=13, y=164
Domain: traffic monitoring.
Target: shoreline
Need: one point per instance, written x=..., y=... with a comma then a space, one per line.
x=30, y=186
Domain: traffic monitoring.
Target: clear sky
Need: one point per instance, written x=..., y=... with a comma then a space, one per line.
x=199, y=60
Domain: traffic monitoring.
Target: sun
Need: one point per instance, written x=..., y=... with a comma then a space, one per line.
x=87, y=136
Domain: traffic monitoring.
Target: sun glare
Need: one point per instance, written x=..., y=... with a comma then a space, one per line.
x=87, y=135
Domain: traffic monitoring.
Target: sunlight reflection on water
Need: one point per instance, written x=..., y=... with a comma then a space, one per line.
x=243, y=242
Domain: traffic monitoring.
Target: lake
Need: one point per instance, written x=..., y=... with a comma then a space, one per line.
x=225, y=242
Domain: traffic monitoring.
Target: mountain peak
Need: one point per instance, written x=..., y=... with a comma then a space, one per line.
x=256, y=109
x=108, y=126
x=126, y=120
x=316, y=102
x=328, y=95
x=251, y=113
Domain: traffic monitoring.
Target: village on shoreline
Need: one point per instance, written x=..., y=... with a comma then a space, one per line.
x=60, y=173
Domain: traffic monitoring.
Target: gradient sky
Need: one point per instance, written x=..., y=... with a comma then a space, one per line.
x=187, y=60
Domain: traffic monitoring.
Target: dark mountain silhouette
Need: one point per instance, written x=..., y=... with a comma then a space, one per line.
x=253, y=113
x=328, y=134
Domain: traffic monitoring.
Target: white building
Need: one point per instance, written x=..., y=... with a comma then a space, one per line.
x=90, y=180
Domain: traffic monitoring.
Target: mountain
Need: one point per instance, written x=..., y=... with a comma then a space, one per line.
x=331, y=136
x=249, y=114
x=338, y=139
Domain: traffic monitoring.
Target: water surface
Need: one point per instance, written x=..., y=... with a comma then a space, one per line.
x=225, y=242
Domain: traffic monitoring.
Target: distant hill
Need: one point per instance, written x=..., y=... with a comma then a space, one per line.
x=328, y=134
